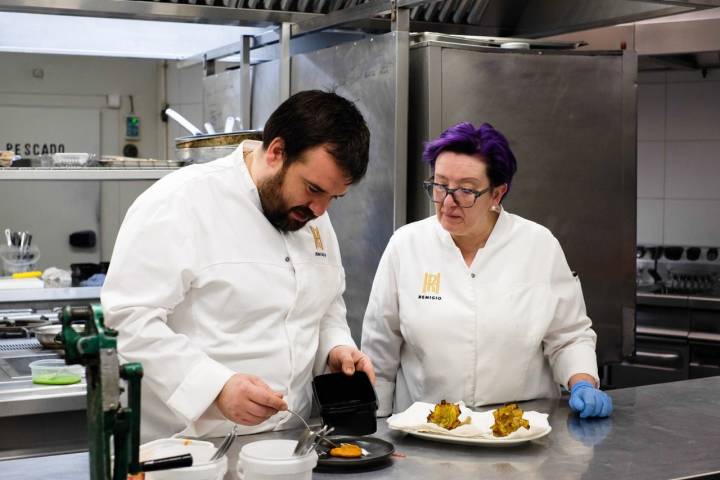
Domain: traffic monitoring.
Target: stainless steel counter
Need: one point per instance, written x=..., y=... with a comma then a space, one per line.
x=656, y=432
x=27, y=409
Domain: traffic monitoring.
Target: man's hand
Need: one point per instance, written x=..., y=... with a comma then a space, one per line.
x=247, y=400
x=348, y=359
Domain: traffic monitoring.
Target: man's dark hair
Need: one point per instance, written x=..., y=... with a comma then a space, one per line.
x=312, y=118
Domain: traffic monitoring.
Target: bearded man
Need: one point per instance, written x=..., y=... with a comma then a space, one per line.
x=226, y=281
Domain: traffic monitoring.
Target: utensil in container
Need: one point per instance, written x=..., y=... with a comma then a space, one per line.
x=225, y=445
x=229, y=124
x=184, y=122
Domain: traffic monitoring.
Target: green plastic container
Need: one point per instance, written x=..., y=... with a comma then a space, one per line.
x=56, y=372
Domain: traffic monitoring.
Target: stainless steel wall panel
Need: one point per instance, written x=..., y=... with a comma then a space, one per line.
x=566, y=116
x=265, y=92
x=364, y=72
x=425, y=114
x=221, y=98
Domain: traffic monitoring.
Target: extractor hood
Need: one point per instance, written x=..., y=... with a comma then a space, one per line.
x=506, y=18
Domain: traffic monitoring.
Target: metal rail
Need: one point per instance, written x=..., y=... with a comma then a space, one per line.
x=358, y=12
x=136, y=10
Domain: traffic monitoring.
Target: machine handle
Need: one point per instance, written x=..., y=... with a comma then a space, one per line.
x=178, y=461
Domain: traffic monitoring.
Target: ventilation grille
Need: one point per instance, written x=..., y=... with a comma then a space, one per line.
x=18, y=345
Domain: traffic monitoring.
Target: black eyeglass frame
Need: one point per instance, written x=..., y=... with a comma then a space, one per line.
x=429, y=185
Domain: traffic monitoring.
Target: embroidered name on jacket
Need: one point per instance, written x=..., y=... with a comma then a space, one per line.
x=318, y=242
x=431, y=287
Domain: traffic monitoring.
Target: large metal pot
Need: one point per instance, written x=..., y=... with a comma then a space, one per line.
x=49, y=335
x=205, y=148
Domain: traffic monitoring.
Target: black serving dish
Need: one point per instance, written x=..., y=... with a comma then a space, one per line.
x=347, y=403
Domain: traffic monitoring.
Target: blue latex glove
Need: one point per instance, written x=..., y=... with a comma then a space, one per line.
x=589, y=401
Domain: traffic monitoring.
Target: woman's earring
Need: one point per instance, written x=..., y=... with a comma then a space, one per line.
x=495, y=208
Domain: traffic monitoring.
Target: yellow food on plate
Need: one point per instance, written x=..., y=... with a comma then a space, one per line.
x=447, y=415
x=346, y=450
x=508, y=419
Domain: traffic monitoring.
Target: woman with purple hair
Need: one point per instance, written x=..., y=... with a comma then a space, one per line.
x=476, y=304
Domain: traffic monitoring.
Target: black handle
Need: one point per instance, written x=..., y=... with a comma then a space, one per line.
x=178, y=461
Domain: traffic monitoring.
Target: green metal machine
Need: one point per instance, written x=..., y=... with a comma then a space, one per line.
x=108, y=420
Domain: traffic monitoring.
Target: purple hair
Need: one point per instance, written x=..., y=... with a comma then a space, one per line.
x=484, y=142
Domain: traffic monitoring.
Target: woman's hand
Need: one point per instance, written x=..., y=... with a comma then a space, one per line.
x=346, y=359
x=589, y=401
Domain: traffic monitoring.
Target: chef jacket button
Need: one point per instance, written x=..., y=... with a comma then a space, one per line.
x=287, y=259
x=472, y=275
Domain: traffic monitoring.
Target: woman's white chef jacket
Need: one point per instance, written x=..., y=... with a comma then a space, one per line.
x=510, y=327
x=202, y=286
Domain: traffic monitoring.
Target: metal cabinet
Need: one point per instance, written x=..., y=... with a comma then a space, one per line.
x=570, y=119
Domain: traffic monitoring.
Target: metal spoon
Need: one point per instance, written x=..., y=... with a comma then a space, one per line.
x=300, y=417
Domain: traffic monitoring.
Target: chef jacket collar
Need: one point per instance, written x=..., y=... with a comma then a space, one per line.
x=248, y=146
x=496, y=235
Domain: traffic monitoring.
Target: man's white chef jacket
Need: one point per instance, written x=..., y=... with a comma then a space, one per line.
x=202, y=286
x=510, y=327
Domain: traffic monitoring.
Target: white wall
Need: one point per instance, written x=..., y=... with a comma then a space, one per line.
x=70, y=84
x=679, y=158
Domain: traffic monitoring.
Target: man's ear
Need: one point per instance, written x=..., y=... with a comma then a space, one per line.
x=275, y=153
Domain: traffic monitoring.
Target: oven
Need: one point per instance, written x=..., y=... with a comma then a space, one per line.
x=677, y=337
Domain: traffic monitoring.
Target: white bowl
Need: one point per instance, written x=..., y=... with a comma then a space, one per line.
x=202, y=468
x=274, y=460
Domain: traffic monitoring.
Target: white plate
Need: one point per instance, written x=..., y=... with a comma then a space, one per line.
x=476, y=432
x=487, y=442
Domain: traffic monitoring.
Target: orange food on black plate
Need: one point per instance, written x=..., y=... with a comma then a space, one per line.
x=346, y=450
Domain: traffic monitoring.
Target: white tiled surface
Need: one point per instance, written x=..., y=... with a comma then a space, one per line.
x=651, y=169
x=693, y=111
x=692, y=170
x=679, y=158
x=649, y=221
x=651, y=112
x=692, y=222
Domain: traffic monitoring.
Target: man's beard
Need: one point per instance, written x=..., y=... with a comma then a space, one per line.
x=275, y=207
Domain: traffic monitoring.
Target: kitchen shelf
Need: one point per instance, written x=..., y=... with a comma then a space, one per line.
x=49, y=294
x=86, y=173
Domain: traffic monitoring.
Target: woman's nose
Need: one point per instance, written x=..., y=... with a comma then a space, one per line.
x=449, y=201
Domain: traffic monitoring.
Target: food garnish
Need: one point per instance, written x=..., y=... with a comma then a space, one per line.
x=346, y=450
x=447, y=415
x=508, y=419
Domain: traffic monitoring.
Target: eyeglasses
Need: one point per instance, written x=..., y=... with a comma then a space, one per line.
x=463, y=197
